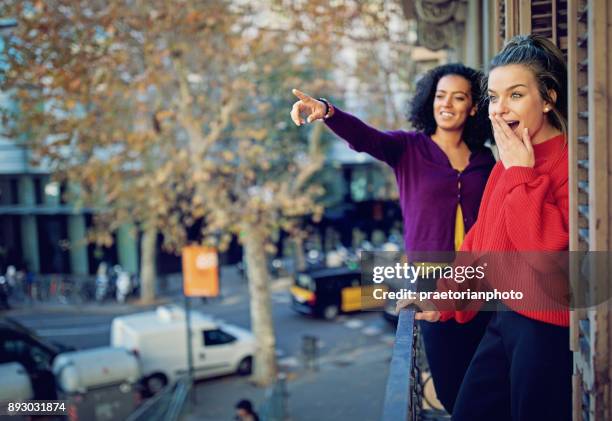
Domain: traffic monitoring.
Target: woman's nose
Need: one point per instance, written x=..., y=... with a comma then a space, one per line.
x=499, y=107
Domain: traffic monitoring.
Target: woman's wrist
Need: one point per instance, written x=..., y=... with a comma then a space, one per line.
x=329, y=109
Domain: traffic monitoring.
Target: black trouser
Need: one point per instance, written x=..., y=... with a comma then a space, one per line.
x=522, y=371
x=449, y=347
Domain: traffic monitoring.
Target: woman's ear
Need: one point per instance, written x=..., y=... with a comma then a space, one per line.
x=473, y=110
x=552, y=94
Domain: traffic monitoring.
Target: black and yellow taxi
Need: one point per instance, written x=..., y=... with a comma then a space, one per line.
x=326, y=292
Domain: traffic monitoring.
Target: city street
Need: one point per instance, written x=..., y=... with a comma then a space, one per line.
x=353, y=348
x=155, y=152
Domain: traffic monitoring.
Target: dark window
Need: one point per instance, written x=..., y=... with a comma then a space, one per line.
x=5, y=191
x=32, y=357
x=217, y=337
x=10, y=243
x=52, y=235
x=15, y=191
x=63, y=196
x=305, y=281
x=8, y=191
x=38, y=191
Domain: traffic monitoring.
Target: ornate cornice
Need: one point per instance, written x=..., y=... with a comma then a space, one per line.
x=439, y=22
x=435, y=11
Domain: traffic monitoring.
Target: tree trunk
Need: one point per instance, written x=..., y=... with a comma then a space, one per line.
x=148, y=272
x=265, y=369
x=299, y=256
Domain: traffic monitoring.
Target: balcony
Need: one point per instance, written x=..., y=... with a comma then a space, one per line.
x=404, y=396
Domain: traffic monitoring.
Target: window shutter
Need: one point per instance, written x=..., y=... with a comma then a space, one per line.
x=589, y=132
x=578, y=138
x=549, y=18
x=499, y=29
x=544, y=17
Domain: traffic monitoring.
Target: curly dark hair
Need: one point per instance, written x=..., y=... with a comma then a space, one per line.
x=477, y=128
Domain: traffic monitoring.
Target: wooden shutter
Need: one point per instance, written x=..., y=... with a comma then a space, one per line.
x=549, y=18
x=545, y=17
x=499, y=25
x=578, y=137
x=589, y=133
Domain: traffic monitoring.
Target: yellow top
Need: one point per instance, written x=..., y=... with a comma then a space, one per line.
x=459, y=228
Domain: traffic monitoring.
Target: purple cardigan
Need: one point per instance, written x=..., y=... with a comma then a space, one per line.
x=428, y=185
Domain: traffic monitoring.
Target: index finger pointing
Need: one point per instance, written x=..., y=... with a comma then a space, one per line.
x=301, y=95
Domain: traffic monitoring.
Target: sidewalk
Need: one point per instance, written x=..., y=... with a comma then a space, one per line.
x=350, y=387
x=85, y=308
x=232, y=284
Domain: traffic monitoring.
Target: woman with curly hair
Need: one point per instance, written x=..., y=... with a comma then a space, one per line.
x=441, y=170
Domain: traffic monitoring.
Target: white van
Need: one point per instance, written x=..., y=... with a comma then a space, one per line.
x=159, y=338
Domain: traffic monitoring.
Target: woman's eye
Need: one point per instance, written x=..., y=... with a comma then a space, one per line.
x=460, y=98
x=516, y=95
x=492, y=98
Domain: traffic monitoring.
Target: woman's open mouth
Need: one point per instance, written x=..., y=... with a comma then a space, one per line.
x=513, y=124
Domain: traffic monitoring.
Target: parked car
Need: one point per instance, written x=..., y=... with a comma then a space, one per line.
x=159, y=338
x=100, y=384
x=19, y=344
x=327, y=292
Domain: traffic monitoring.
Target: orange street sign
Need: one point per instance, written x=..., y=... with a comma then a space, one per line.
x=200, y=272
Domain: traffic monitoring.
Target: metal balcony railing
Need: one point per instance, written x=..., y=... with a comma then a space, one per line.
x=408, y=375
x=400, y=397
x=168, y=405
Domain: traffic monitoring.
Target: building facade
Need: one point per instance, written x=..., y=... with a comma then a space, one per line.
x=41, y=232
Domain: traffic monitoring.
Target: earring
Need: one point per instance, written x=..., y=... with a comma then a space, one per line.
x=546, y=109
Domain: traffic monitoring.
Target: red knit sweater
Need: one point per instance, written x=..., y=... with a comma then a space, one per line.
x=522, y=209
